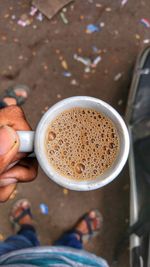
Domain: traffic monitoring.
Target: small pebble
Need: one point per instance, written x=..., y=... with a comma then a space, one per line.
x=46, y=108
x=60, y=58
x=58, y=96
x=16, y=40
x=79, y=50
x=4, y=38
x=45, y=67
x=6, y=16
x=57, y=51
x=34, y=53
x=64, y=9
x=98, y=5
x=108, y=9
x=10, y=67
x=62, y=204
x=65, y=191
x=87, y=69
x=120, y=102
x=72, y=7
x=81, y=17
x=116, y=32
x=20, y=57
x=102, y=24
x=137, y=36
x=74, y=82
x=13, y=17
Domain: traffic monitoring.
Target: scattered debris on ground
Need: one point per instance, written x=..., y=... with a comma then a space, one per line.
x=87, y=62
x=92, y=28
x=44, y=208
x=67, y=74
x=64, y=18
x=120, y=102
x=65, y=191
x=145, y=22
x=118, y=76
x=124, y=2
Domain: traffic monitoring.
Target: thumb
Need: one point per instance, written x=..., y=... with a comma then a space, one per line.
x=9, y=145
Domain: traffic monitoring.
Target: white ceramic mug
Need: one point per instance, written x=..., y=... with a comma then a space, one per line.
x=30, y=141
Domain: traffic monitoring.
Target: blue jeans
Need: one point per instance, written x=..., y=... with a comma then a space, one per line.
x=27, y=238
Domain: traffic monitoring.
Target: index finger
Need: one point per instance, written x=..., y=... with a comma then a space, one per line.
x=14, y=117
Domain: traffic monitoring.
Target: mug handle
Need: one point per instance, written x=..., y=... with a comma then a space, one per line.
x=26, y=141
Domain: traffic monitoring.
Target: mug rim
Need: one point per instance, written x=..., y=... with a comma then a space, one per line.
x=70, y=183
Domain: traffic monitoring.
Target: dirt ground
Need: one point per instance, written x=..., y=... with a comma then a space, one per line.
x=33, y=55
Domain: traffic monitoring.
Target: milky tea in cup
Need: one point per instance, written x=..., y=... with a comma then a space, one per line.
x=81, y=143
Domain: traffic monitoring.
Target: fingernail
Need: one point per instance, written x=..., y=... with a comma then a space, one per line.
x=8, y=181
x=8, y=138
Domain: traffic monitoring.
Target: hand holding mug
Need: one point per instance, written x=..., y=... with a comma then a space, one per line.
x=12, y=119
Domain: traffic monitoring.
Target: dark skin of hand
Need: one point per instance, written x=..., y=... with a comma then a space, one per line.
x=12, y=119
